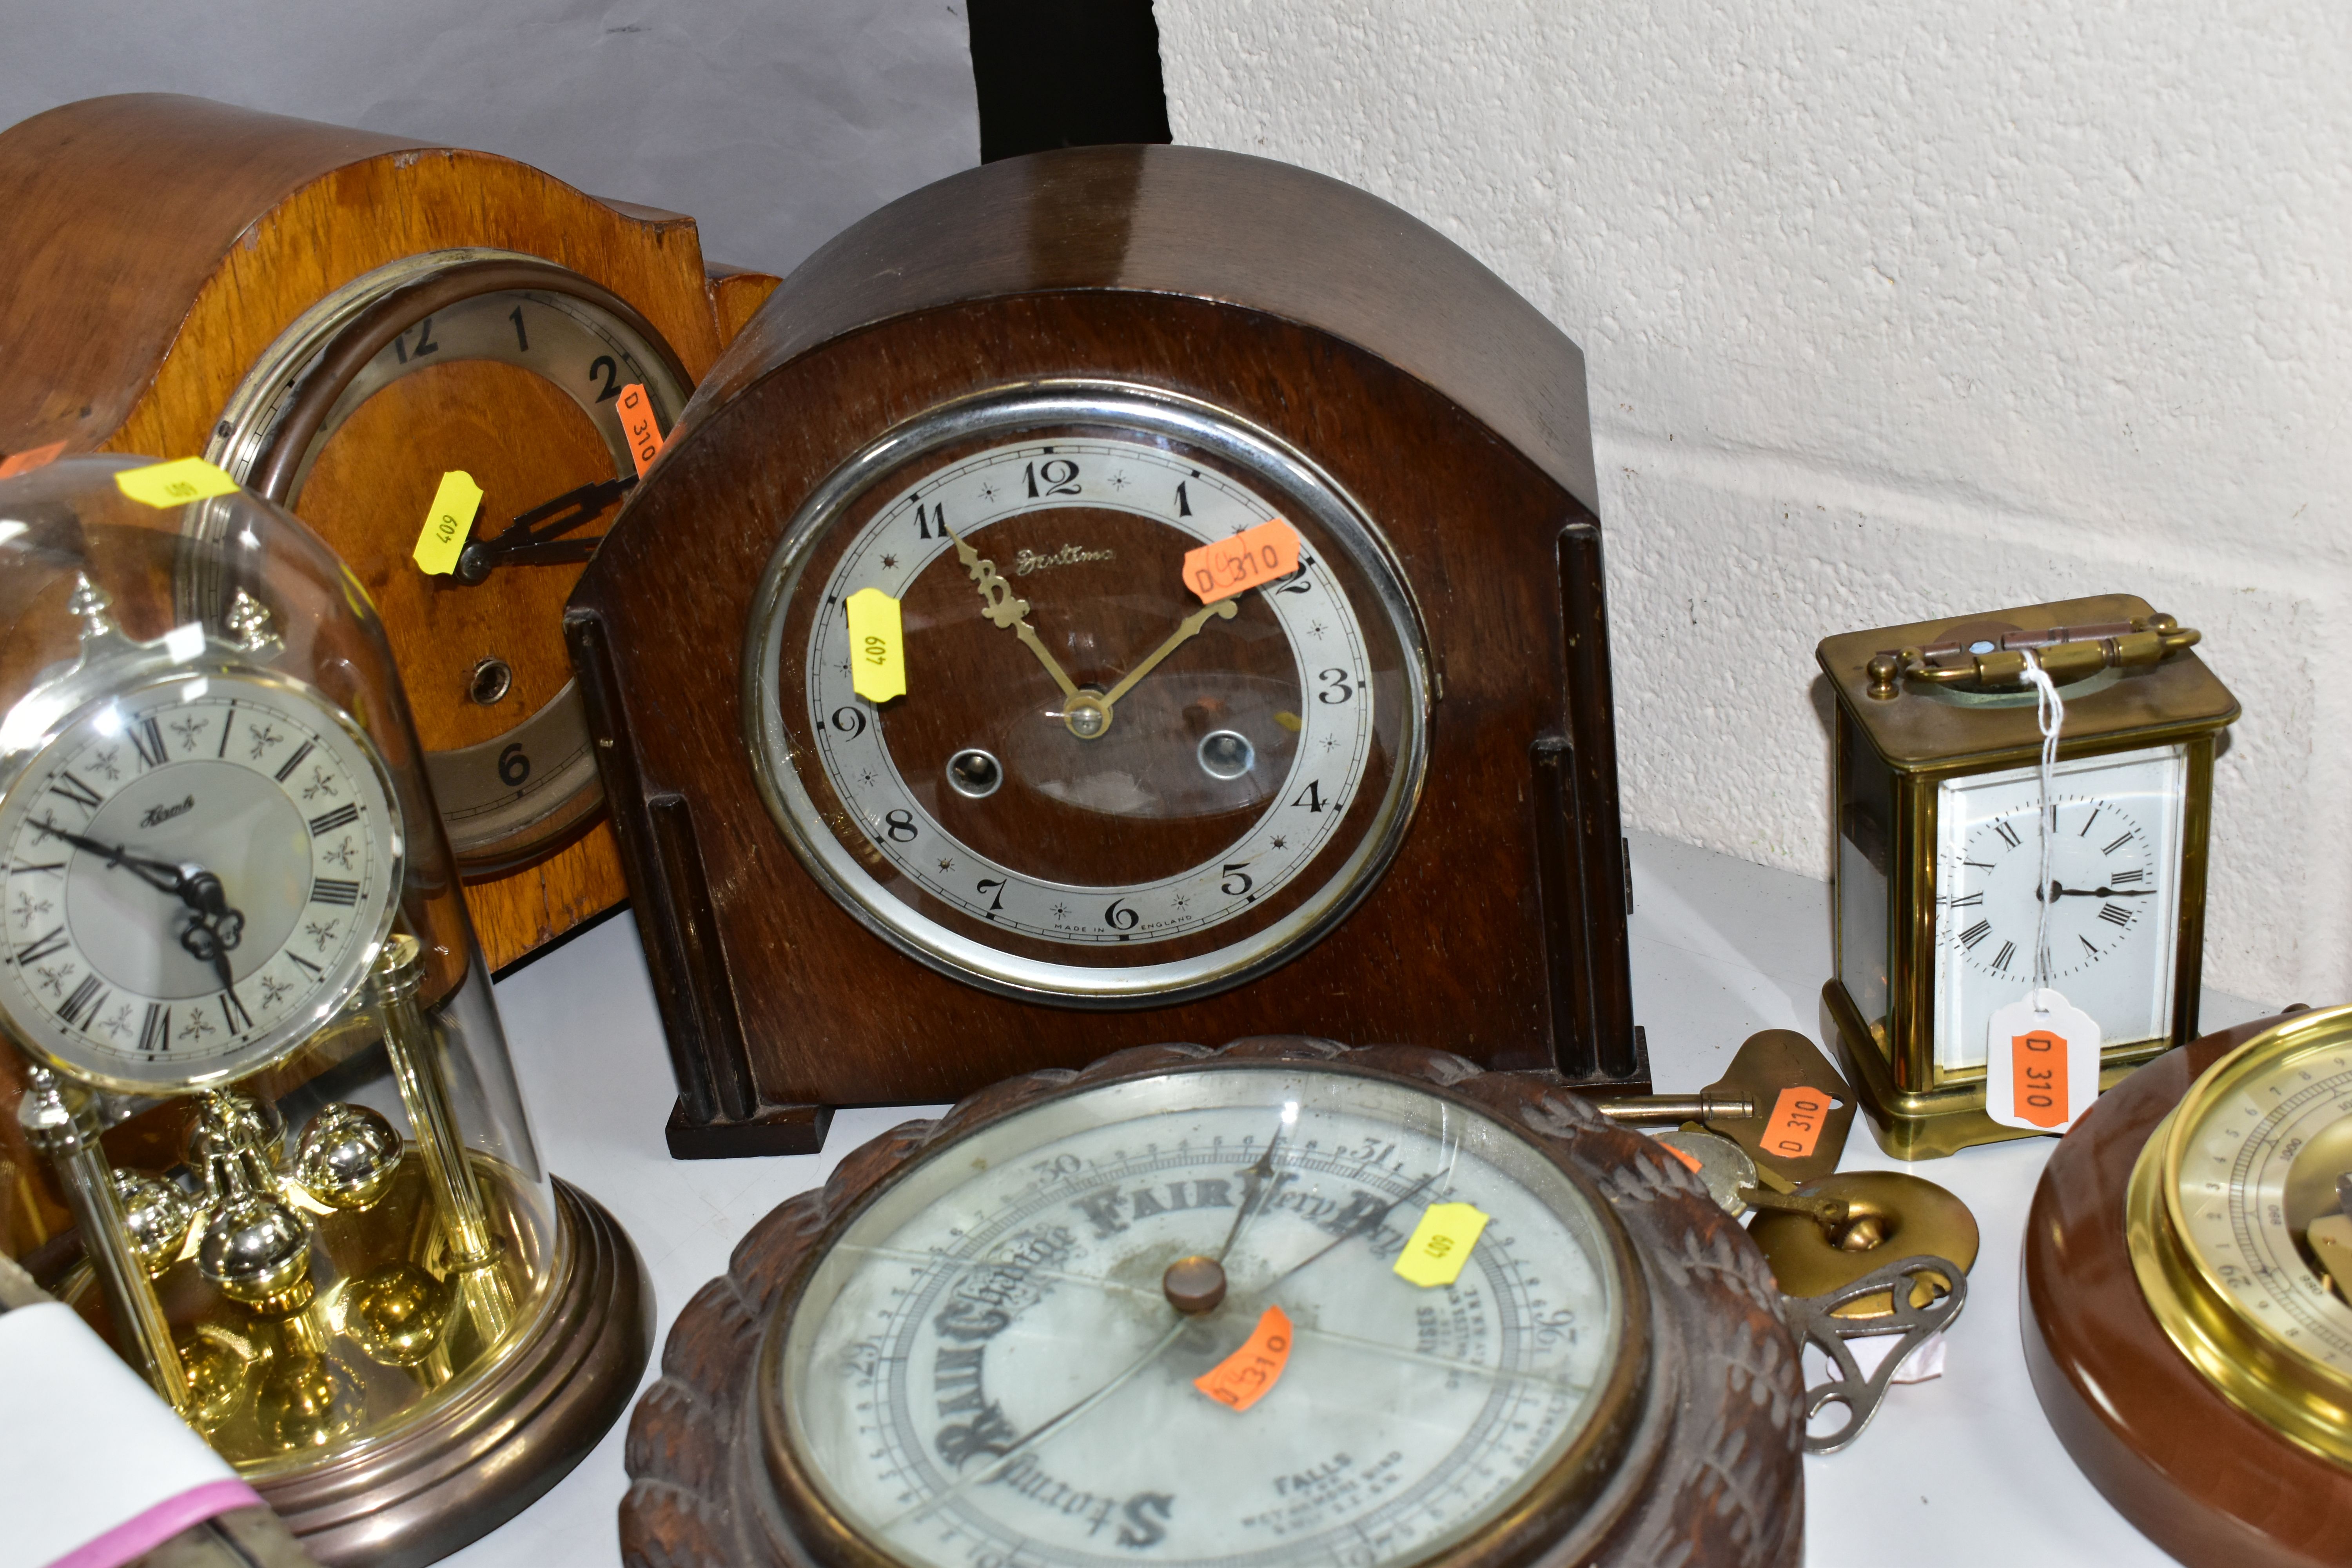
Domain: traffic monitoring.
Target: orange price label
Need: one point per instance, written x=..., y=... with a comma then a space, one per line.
x=31, y=458
x=2038, y=1091
x=1249, y=559
x=1249, y=1374
x=1796, y=1123
x=639, y=425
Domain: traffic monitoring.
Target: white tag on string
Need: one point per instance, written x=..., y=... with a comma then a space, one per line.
x=2042, y=1053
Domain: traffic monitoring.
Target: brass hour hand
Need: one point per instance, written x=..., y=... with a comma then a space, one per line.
x=1223, y=610
x=1002, y=605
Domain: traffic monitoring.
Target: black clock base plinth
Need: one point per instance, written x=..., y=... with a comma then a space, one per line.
x=774, y=1129
x=1586, y=1077
x=484, y=1454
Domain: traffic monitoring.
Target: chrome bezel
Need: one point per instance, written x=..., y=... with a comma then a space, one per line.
x=775, y=767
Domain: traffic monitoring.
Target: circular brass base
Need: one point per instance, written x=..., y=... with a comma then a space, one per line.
x=481, y=1457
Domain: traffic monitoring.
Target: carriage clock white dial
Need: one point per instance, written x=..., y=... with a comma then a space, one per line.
x=199, y=871
x=2114, y=896
x=985, y=1368
x=1099, y=786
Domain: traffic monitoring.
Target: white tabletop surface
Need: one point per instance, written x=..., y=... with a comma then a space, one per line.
x=1962, y=1470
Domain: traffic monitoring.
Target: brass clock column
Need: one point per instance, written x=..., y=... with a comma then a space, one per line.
x=1936, y=901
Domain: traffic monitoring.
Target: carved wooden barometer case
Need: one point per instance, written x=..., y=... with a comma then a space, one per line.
x=1223, y=1308
x=1114, y=593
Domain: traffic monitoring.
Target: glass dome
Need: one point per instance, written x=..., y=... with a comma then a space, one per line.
x=265, y=1131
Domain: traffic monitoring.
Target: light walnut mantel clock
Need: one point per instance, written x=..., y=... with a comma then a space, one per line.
x=337, y=317
x=1033, y=417
x=1937, y=893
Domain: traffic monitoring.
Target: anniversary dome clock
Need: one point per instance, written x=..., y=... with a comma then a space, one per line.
x=265, y=1081
x=337, y=317
x=1938, y=894
x=1155, y=613
x=1281, y=1303
x=2187, y=1295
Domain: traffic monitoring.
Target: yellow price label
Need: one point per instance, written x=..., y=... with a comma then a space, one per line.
x=448, y=522
x=877, y=650
x=174, y=483
x=1441, y=1244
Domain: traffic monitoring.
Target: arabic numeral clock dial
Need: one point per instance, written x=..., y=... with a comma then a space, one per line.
x=1285, y=1304
x=199, y=873
x=2113, y=895
x=1101, y=784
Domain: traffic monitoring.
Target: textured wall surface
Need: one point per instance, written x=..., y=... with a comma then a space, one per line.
x=1892, y=313
x=774, y=124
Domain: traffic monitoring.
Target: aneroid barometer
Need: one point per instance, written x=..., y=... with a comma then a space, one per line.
x=269, y=1139
x=1939, y=891
x=2188, y=1295
x=1284, y=1303
x=1153, y=615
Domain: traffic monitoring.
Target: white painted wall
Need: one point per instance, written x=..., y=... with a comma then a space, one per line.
x=1894, y=311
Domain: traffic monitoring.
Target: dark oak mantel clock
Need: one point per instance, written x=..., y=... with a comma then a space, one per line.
x=337, y=317
x=1936, y=896
x=1007, y=443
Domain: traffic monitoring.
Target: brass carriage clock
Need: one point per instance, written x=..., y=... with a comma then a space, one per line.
x=1936, y=892
x=265, y=1077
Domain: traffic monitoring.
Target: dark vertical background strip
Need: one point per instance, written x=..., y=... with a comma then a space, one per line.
x=1065, y=73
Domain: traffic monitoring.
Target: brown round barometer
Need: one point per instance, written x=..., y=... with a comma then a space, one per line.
x=2188, y=1264
x=1279, y=1303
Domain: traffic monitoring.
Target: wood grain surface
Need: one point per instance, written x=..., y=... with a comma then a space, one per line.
x=158, y=244
x=2204, y=1480
x=1711, y=1474
x=1497, y=931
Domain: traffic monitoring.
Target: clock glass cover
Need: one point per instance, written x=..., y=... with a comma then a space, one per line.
x=2114, y=896
x=224, y=896
x=1097, y=787
x=987, y=1363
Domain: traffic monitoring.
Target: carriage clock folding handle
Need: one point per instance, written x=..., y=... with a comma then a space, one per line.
x=2068, y=653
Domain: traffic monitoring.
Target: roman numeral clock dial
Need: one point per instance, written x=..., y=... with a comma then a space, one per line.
x=198, y=873
x=2112, y=896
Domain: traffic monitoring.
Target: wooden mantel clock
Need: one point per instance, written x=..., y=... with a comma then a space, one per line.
x=1234, y=539
x=337, y=317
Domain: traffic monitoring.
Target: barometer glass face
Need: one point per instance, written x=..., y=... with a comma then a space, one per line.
x=199, y=873
x=987, y=1364
x=2258, y=1158
x=1098, y=785
x=2114, y=895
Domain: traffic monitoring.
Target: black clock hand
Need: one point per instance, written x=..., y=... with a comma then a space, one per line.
x=216, y=929
x=154, y=873
x=2061, y=890
x=530, y=539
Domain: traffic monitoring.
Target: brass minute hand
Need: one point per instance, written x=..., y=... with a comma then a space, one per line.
x=1223, y=610
x=999, y=604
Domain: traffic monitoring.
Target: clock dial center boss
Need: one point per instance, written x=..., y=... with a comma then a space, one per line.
x=1162, y=694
